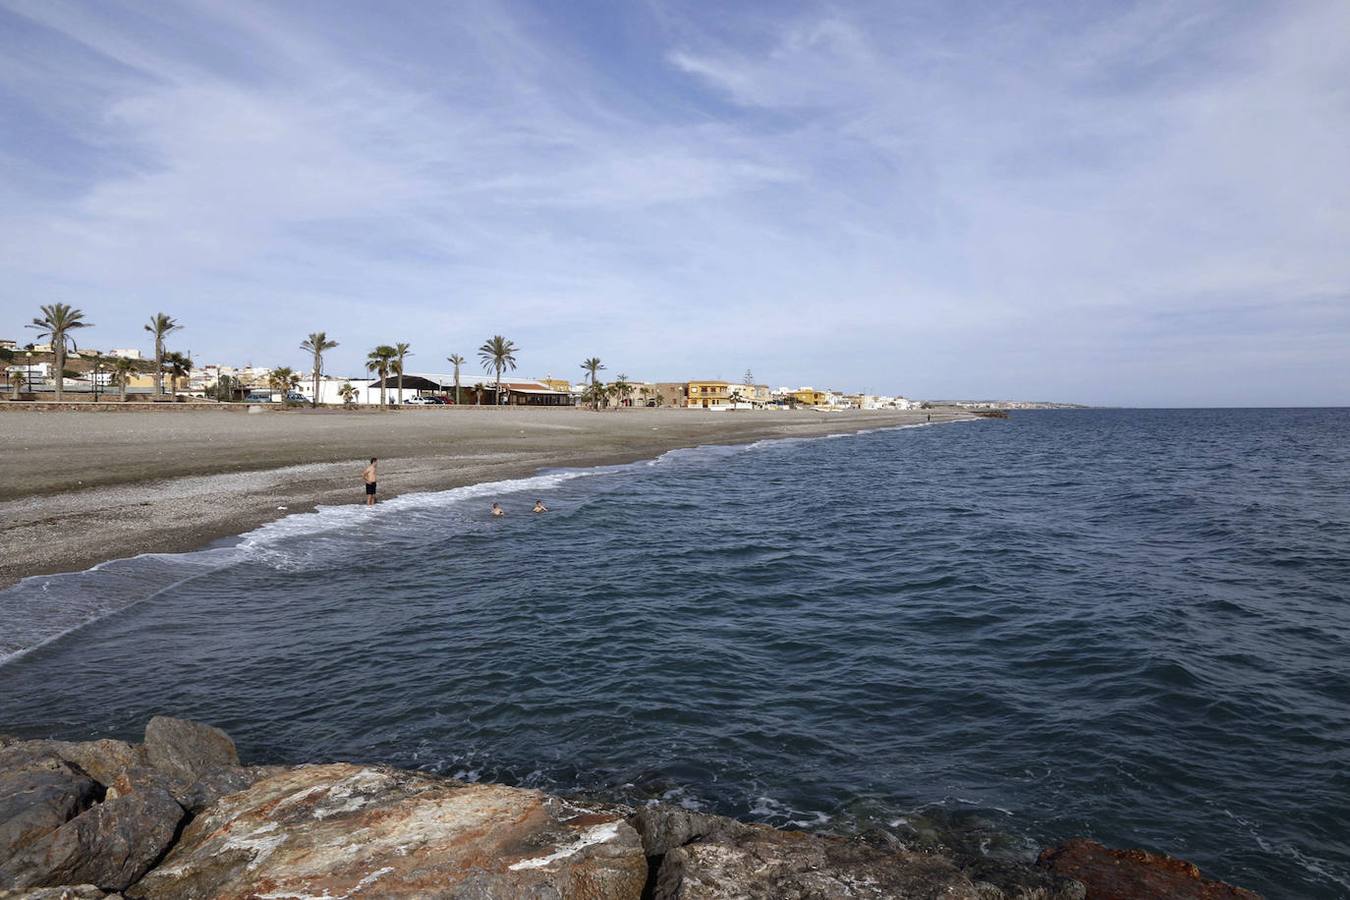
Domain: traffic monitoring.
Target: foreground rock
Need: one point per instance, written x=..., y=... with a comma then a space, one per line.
x=1109, y=874
x=339, y=830
x=766, y=864
x=110, y=845
x=178, y=816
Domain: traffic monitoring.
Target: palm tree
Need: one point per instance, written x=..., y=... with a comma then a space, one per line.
x=16, y=383
x=122, y=370
x=178, y=366
x=282, y=378
x=400, y=354
x=498, y=354
x=456, y=360
x=161, y=326
x=317, y=343
x=56, y=323
x=378, y=361
x=622, y=388
x=592, y=366
x=347, y=393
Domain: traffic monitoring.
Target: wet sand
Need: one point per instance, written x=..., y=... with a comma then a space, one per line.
x=83, y=487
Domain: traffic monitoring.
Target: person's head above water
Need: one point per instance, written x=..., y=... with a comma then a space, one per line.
x=373, y=460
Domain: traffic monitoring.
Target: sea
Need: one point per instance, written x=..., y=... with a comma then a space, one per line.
x=1127, y=625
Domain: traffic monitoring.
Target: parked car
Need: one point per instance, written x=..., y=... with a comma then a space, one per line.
x=419, y=401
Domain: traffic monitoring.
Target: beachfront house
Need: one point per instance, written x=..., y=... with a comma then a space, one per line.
x=709, y=394
x=809, y=396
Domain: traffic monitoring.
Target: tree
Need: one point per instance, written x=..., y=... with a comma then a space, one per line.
x=621, y=389
x=161, y=326
x=177, y=365
x=122, y=369
x=595, y=394
x=347, y=393
x=456, y=360
x=498, y=355
x=379, y=361
x=401, y=353
x=17, y=382
x=56, y=323
x=282, y=379
x=592, y=366
x=316, y=345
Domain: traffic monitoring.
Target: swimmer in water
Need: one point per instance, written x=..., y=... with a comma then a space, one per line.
x=539, y=506
x=497, y=510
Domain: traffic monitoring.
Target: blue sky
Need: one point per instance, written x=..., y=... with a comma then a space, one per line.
x=1103, y=202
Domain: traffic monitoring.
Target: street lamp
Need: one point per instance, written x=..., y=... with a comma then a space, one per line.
x=98, y=365
x=29, y=382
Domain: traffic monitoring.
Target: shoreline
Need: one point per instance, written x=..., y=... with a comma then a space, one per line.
x=144, y=482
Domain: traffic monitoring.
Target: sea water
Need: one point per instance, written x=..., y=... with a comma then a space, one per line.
x=1130, y=625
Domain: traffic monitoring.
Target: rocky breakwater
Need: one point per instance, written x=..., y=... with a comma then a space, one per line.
x=178, y=816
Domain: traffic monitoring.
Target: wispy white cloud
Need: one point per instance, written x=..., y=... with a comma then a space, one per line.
x=904, y=199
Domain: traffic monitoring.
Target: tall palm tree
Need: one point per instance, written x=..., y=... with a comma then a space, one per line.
x=401, y=352
x=378, y=361
x=497, y=355
x=122, y=369
x=56, y=323
x=592, y=366
x=317, y=343
x=161, y=326
x=178, y=365
x=456, y=360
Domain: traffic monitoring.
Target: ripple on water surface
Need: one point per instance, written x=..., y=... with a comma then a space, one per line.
x=1130, y=625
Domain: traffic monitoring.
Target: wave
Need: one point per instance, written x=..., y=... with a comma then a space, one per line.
x=41, y=609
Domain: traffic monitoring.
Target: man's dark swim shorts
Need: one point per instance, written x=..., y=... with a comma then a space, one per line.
x=370, y=489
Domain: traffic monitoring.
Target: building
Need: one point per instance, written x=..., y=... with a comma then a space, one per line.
x=125, y=353
x=9, y=345
x=809, y=396
x=708, y=394
x=478, y=390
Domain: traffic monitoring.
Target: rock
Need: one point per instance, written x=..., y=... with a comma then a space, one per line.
x=101, y=760
x=1109, y=874
x=111, y=844
x=194, y=795
x=763, y=863
x=39, y=792
x=187, y=749
x=63, y=892
x=335, y=830
x=664, y=827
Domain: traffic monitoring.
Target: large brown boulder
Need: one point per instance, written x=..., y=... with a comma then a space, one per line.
x=335, y=830
x=187, y=749
x=39, y=792
x=1130, y=874
x=111, y=844
x=761, y=863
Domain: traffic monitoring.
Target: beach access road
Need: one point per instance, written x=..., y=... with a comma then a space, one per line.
x=82, y=487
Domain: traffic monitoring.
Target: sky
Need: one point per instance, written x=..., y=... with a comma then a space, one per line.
x=1099, y=202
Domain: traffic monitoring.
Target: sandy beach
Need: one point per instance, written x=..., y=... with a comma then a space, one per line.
x=85, y=487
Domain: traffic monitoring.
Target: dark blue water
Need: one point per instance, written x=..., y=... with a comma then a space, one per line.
x=1128, y=625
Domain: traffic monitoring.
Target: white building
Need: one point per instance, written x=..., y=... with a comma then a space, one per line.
x=125, y=353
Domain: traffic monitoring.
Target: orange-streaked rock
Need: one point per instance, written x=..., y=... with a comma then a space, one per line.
x=340, y=830
x=1110, y=874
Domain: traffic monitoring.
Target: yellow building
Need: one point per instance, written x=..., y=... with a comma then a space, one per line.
x=708, y=394
x=562, y=385
x=811, y=397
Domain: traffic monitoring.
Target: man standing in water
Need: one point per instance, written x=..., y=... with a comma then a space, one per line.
x=368, y=476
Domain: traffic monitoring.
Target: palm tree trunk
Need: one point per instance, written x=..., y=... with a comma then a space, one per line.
x=314, y=403
x=59, y=355
x=159, y=367
x=400, y=385
x=384, y=375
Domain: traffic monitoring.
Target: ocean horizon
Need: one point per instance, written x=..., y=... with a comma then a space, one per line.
x=1124, y=624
